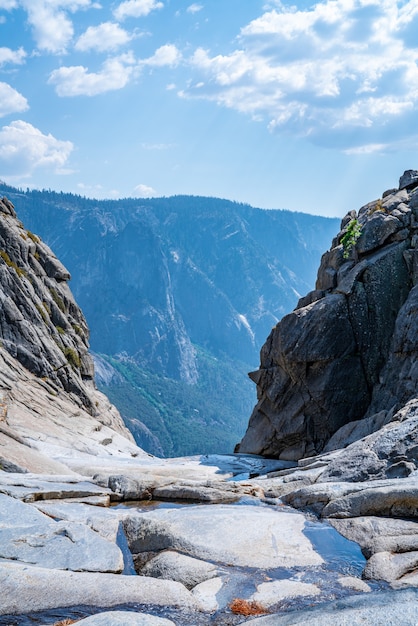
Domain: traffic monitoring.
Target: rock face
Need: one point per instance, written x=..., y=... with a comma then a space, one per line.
x=49, y=405
x=348, y=351
x=40, y=323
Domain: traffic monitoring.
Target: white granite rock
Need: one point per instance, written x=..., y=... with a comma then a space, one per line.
x=185, y=569
x=26, y=588
x=246, y=536
x=270, y=593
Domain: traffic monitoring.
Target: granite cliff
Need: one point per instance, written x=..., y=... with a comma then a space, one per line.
x=48, y=398
x=342, y=364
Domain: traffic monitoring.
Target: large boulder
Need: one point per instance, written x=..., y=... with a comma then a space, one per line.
x=348, y=351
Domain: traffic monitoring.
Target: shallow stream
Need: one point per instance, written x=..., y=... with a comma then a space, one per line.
x=341, y=558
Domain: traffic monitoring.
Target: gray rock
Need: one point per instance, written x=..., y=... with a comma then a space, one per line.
x=393, y=608
x=207, y=593
x=271, y=593
x=408, y=179
x=396, y=500
x=390, y=567
x=225, y=534
x=32, y=487
x=321, y=362
x=124, y=618
x=174, y=566
x=389, y=452
x=41, y=589
x=379, y=534
x=351, y=582
x=29, y=536
x=376, y=230
x=349, y=352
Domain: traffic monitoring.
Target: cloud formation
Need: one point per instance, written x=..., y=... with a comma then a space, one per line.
x=102, y=38
x=76, y=80
x=343, y=72
x=11, y=101
x=167, y=55
x=136, y=8
x=52, y=28
x=194, y=8
x=143, y=191
x=24, y=148
x=15, y=57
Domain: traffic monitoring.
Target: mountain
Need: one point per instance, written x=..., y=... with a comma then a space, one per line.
x=344, y=362
x=49, y=405
x=179, y=294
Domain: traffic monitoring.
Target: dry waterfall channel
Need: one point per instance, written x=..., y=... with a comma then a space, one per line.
x=94, y=529
x=208, y=549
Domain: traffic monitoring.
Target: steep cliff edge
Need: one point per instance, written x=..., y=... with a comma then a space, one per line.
x=49, y=405
x=347, y=353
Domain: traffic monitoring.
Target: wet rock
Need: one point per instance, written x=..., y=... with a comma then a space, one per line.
x=351, y=582
x=244, y=535
x=174, y=566
x=206, y=594
x=394, y=608
x=270, y=594
x=41, y=589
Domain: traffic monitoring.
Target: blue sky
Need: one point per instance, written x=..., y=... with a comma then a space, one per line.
x=310, y=107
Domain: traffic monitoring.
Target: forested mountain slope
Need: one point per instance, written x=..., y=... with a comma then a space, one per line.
x=179, y=294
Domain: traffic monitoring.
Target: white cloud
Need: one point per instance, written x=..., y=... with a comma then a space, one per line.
x=11, y=101
x=78, y=81
x=24, y=148
x=106, y=36
x=165, y=55
x=143, y=191
x=8, y=5
x=194, y=8
x=343, y=69
x=52, y=28
x=136, y=8
x=16, y=57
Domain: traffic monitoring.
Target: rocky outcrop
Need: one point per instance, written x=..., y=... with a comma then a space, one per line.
x=40, y=323
x=49, y=405
x=348, y=351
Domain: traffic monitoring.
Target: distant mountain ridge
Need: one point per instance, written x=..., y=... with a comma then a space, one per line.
x=175, y=291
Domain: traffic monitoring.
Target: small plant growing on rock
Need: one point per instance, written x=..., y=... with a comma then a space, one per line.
x=11, y=263
x=34, y=238
x=57, y=299
x=350, y=237
x=72, y=357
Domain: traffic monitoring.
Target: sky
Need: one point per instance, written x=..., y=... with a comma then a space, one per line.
x=297, y=105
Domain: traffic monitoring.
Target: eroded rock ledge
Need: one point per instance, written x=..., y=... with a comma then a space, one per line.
x=347, y=353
